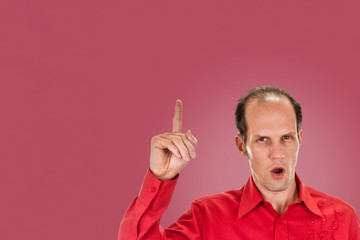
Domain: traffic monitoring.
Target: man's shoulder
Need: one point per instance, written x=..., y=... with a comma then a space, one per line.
x=326, y=201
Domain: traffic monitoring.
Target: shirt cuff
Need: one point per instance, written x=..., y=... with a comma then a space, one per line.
x=156, y=193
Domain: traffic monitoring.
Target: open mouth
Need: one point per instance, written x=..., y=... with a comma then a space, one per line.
x=277, y=170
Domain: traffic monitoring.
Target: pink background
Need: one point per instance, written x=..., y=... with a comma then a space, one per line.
x=86, y=84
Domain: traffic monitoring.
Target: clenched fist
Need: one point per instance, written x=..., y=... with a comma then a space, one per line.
x=170, y=152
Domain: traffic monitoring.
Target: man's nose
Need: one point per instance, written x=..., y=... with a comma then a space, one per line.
x=276, y=151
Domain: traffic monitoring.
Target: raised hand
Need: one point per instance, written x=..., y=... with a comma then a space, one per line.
x=171, y=152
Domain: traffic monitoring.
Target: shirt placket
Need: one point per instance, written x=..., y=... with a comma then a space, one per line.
x=281, y=227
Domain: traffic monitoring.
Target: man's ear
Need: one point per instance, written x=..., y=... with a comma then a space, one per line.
x=240, y=145
x=300, y=137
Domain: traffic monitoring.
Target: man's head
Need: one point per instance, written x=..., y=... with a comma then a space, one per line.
x=269, y=123
x=264, y=94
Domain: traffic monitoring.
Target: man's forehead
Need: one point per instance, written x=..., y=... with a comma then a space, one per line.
x=267, y=102
x=261, y=111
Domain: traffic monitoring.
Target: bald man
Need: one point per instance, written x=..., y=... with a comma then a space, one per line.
x=273, y=204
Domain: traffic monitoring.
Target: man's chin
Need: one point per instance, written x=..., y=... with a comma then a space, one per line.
x=277, y=187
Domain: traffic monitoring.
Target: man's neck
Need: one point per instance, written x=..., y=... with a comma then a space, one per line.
x=281, y=200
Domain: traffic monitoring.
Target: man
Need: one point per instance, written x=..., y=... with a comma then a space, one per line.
x=273, y=204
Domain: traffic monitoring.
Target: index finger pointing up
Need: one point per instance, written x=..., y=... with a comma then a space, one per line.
x=177, y=120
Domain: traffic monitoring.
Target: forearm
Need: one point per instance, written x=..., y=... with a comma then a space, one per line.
x=142, y=218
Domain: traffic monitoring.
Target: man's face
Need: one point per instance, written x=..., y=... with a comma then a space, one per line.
x=272, y=143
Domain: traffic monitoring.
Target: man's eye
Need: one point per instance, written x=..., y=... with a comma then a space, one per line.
x=287, y=137
x=262, y=139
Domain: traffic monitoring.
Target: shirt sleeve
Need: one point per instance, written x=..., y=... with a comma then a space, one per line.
x=189, y=226
x=142, y=218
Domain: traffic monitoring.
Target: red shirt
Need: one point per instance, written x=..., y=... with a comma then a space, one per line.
x=238, y=214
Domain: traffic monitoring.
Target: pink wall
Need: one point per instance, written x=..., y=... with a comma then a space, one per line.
x=85, y=84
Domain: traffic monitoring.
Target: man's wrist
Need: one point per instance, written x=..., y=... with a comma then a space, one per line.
x=164, y=178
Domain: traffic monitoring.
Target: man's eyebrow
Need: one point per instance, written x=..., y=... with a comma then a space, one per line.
x=290, y=133
x=258, y=136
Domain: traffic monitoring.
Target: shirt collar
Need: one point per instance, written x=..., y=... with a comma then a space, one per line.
x=304, y=196
x=251, y=197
